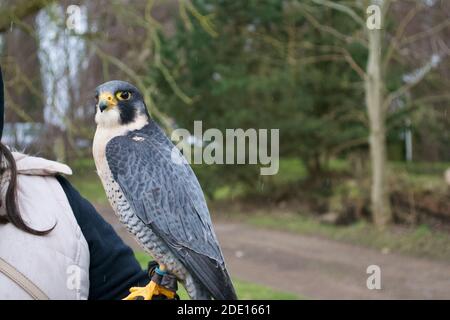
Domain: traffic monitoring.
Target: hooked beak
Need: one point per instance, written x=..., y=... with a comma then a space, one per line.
x=106, y=100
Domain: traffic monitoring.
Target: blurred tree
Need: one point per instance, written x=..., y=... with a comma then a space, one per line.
x=374, y=91
x=15, y=11
x=56, y=52
x=264, y=69
x=385, y=82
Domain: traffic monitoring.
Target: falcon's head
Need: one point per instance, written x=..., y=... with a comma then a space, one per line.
x=118, y=103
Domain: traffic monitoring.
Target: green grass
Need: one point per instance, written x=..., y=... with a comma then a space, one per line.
x=86, y=181
x=419, y=177
x=245, y=290
x=290, y=170
x=414, y=176
x=423, y=168
x=91, y=188
x=418, y=241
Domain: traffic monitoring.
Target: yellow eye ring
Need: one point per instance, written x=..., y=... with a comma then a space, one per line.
x=123, y=95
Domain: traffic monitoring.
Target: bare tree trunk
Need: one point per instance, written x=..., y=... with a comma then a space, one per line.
x=374, y=100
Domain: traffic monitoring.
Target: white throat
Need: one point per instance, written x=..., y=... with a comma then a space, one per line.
x=106, y=130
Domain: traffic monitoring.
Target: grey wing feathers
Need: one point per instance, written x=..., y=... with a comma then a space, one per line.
x=167, y=197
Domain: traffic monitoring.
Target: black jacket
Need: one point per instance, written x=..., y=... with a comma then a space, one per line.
x=113, y=268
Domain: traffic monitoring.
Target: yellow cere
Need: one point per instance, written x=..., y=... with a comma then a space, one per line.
x=109, y=98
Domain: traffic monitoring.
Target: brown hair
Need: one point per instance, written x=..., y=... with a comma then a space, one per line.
x=12, y=211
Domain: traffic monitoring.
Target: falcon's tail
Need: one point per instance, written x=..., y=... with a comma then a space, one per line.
x=211, y=274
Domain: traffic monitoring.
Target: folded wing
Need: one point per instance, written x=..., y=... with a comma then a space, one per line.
x=167, y=197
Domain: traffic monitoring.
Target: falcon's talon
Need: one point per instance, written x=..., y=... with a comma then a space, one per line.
x=149, y=291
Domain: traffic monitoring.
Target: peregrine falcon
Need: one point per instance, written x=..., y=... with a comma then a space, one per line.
x=160, y=201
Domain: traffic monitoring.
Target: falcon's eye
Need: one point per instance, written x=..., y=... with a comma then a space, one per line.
x=123, y=95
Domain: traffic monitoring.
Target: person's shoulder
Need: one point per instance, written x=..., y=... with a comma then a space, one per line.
x=31, y=165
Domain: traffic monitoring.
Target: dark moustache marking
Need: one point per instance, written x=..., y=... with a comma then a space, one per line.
x=127, y=113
